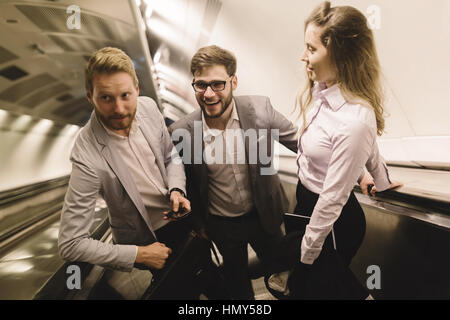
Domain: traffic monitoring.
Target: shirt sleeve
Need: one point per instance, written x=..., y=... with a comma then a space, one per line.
x=352, y=147
x=361, y=176
x=378, y=169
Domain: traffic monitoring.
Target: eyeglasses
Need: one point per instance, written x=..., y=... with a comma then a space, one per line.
x=217, y=85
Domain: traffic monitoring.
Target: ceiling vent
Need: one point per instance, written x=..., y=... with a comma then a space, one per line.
x=6, y=55
x=13, y=73
x=54, y=20
x=77, y=44
x=70, y=109
x=44, y=94
x=21, y=89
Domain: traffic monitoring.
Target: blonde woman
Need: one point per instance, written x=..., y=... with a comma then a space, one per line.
x=342, y=112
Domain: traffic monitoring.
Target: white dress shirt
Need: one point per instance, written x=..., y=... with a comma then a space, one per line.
x=229, y=191
x=338, y=142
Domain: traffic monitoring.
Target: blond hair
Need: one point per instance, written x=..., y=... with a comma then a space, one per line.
x=351, y=46
x=108, y=60
x=212, y=55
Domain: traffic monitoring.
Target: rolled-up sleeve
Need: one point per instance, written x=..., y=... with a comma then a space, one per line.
x=352, y=145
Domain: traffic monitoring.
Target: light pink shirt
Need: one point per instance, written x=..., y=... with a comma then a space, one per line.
x=339, y=141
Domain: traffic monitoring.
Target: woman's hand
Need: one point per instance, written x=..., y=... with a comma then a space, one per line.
x=368, y=186
x=395, y=185
x=364, y=184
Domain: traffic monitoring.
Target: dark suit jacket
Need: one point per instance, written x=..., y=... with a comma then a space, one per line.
x=255, y=112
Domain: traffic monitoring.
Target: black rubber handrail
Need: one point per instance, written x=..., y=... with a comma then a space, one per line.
x=429, y=204
x=10, y=231
x=30, y=190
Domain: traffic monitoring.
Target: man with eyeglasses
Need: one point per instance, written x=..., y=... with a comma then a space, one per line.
x=234, y=203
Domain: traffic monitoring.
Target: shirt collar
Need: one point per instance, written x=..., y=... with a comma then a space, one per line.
x=211, y=132
x=332, y=96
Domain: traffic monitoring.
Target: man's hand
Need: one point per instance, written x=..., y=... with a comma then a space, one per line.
x=153, y=255
x=179, y=204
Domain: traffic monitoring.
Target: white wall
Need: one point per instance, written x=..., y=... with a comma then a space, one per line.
x=33, y=150
x=413, y=42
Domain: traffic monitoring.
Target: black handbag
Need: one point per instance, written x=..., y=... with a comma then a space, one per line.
x=188, y=274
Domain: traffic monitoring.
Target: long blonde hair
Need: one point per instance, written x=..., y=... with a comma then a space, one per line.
x=351, y=46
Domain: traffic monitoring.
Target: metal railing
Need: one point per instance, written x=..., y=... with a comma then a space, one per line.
x=27, y=209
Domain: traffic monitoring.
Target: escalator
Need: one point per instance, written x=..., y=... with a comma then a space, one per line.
x=30, y=266
x=407, y=242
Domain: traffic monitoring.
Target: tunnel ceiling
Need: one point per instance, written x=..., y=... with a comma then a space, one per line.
x=42, y=60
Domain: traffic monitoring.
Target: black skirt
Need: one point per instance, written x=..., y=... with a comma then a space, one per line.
x=329, y=277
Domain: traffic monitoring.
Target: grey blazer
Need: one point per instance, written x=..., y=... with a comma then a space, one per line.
x=255, y=112
x=98, y=170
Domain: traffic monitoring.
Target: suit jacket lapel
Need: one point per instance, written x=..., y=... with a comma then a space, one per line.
x=154, y=144
x=119, y=168
x=247, y=118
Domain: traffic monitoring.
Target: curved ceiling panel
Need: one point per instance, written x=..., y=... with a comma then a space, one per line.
x=42, y=60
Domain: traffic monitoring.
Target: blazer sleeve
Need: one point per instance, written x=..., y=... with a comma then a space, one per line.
x=288, y=133
x=76, y=219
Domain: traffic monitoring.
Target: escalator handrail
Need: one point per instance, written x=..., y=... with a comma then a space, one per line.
x=30, y=190
x=430, y=204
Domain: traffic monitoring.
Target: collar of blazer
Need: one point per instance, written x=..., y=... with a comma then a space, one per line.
x=247, y=116
x=99, y=131
x=118, y=166
x=102, y=136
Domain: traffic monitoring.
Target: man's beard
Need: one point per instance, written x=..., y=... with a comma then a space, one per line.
x=225, y=105
x=109, y=123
